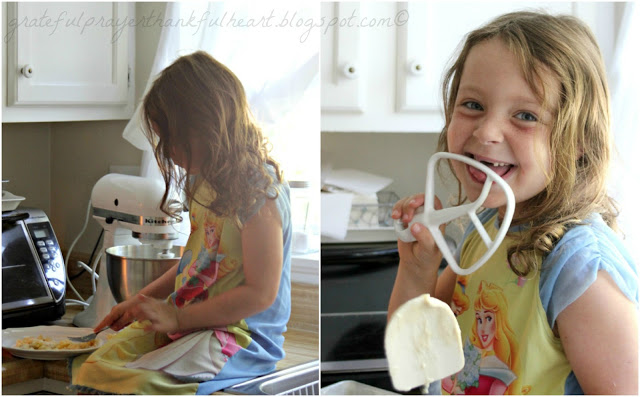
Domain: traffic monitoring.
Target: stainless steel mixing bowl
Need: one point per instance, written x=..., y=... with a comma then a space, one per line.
x=131, y=267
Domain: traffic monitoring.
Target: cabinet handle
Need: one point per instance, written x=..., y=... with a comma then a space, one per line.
x=27, y=71
x=350, y=71
x=416, y=68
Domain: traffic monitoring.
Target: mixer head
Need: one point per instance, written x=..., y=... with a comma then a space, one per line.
x=133, y=203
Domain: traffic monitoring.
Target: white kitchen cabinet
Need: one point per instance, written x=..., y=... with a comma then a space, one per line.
x=68, y=61
x=342, y=86
x=383, y=62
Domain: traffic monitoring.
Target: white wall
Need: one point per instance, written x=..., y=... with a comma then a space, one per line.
x=400, y=156
x=26, y=161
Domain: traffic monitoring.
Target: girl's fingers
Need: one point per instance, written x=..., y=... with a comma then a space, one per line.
x=142, y=318
x=108, y=320
x=150, y=309
x=422, y=235
x=405, y=208
x=124, y=320
x=114, y=315
x=120, y=323
x=396, y=211
x=400, y=205
x=411, y=205
x=146, y=308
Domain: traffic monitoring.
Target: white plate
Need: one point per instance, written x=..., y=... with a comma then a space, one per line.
x=56, y=332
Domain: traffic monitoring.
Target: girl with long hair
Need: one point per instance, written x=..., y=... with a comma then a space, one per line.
x=528, y=97
x=218, y=316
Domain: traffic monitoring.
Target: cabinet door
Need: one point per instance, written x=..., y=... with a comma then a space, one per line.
x=342, y=67
x=67, y=53
x=414, y=67
x=400, y=65
x=427, y=41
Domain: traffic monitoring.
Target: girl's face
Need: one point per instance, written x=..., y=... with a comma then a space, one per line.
x=180, y=158
x=498, y=120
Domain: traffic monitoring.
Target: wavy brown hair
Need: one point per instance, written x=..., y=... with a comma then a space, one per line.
x=199, y=101
x=580, y=141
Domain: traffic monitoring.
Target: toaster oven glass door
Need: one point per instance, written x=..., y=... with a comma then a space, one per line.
x=23, y=281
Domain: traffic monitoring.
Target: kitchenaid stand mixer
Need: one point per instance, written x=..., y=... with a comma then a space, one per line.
x=133, y=203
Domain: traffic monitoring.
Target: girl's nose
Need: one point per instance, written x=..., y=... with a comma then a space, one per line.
x=489, y=131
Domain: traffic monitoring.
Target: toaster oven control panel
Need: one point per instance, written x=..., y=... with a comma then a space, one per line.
x=50, y=255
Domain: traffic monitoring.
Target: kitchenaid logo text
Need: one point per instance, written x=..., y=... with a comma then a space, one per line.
x=156, y=221
x=52, y=24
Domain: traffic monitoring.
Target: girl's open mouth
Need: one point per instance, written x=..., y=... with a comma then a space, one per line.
x=500, y=168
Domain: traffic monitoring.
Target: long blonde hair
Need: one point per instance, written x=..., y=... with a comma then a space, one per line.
x=199, y=99
x=580, y=141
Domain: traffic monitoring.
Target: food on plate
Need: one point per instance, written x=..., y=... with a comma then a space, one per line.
x=422, y=343
x=48, y=343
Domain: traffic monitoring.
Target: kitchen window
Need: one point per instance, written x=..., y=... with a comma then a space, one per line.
x=274, y=53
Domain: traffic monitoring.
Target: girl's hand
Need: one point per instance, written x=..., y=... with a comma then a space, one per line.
x=422, y=254
x=120, y=315
x=419, y=260
x=162, y=315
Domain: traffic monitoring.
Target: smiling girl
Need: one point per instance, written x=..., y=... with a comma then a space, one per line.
x=528, y=97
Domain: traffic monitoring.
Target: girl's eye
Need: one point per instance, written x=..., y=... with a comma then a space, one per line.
x=526, y=116
x=472, y=105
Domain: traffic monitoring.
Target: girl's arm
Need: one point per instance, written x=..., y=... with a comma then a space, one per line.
x=419, y=261
x=599, y=333
x=262, y=250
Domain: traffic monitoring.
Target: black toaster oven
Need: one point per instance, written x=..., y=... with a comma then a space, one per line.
x=33, y=272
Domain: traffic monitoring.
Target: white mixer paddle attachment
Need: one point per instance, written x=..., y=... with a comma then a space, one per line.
x=432, y=218
x=422, y=343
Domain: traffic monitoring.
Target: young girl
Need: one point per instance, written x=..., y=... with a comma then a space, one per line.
x=554, y=311
x=217, y=317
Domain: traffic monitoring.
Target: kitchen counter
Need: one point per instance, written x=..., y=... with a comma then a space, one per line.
x=23, y=376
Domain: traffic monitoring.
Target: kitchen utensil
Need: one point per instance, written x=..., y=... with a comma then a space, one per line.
x=87, y=337
x=422, y=343
x=10, y=201
x=131, y=267
x=432, y=218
